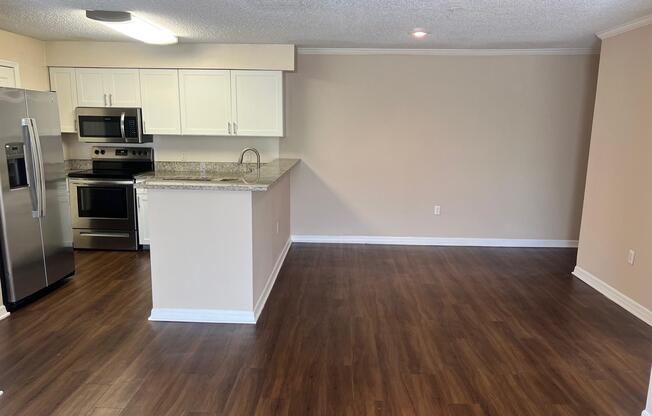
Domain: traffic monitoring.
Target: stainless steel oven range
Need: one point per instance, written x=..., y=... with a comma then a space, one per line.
x=103, y=200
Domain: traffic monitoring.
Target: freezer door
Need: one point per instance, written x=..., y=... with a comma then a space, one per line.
x=22, y=251
x=55, y=216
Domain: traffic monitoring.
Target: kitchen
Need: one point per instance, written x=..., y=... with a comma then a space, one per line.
x=108, y=116
x=246, y=208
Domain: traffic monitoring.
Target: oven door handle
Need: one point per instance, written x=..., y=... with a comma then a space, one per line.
x=122, y=126
x=103, y=182
x=104, y=234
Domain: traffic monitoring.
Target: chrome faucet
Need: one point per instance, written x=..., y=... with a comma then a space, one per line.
x=247, y=149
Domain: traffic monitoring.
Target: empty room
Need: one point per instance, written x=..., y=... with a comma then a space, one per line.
x=320, y=207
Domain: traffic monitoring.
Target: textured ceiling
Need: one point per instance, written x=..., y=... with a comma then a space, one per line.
x=340, y=23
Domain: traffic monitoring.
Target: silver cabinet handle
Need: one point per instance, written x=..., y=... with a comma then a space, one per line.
x=75, y=128
x=105, y=103
x=122, y=126
x=229, y=127
x=235, y=128
x=110, y=100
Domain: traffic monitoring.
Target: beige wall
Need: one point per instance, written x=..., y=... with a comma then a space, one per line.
x=29, y=53
x=500, y=142
x=618, y=200
x=184, y=55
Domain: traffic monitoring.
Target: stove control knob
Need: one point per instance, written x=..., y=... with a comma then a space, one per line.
x=97, y=152
x=102, y=151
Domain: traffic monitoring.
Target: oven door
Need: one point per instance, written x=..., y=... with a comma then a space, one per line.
x=103, y=204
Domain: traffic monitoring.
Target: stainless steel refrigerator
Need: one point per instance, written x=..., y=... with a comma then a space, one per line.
x=34, y=210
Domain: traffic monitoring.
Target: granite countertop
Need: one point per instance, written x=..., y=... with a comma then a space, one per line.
x=247, y=178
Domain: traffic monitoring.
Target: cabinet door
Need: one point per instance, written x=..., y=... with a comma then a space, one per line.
x=143, y=225
x=123, y=87
x=205, y=102
x=159, y=91
x=90, y=88
x=7, y=76
x=62, y=81
x=257, y=103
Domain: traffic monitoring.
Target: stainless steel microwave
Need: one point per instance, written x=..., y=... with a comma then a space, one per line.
x=110, y=125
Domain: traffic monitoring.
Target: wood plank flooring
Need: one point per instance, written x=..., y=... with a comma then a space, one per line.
x=347, y=330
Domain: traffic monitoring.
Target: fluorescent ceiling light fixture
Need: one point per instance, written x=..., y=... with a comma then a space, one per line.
x=133, y=26
x=419, y=33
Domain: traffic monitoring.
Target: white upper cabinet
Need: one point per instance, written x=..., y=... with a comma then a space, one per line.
x=159, y=91
x=90, y=88
x=205, y=102
x=257, y=103
x=8, y=76
x=108, y=87
x=62, y=81
x=123, y=87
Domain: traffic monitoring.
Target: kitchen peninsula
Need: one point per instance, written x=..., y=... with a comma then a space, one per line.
x=218, y=238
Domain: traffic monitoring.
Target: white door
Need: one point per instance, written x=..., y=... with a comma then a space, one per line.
x=159, y=91
x=7, y=76
x=90, y=88
x=62, y=81
x=143, y=225
x=122, y=87
x=257, y=103
x=205, y=102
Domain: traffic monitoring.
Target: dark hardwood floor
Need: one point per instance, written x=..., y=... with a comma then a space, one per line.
x=347, y=330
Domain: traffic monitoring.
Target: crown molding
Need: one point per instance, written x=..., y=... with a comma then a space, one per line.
x=632, y=25
x=446, y=52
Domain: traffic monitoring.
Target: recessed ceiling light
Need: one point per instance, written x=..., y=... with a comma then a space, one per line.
x=133, y=26
x=419, y=33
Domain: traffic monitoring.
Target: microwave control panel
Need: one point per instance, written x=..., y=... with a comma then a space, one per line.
x=131, y=127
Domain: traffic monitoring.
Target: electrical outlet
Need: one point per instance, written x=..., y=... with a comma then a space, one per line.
x=437, y=210
x=631, y=255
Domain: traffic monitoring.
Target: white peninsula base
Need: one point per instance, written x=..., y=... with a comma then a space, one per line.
x=215, y=254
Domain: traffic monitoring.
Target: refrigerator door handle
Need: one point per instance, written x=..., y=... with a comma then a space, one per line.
x=33, y=178
x=41, y=170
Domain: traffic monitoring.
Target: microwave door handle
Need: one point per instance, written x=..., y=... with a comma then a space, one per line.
x=30, y=166
x=39, y=165
x=122, y=126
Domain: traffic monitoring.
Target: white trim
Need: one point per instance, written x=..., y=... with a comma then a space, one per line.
x=432, y=241
x=3, y=312
x=629, y=26
x=614, y=295
x=216, y=316
x=262, y=300
x=16, y=67
x=646, y=413
x=446, y=52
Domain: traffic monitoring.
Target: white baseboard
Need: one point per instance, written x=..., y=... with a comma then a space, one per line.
x=3, y=312
x=260, y=304
x=215, y=316
x=432, y=241
x=620, y=299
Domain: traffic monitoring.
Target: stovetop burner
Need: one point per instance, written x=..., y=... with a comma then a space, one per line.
x=118, y=163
